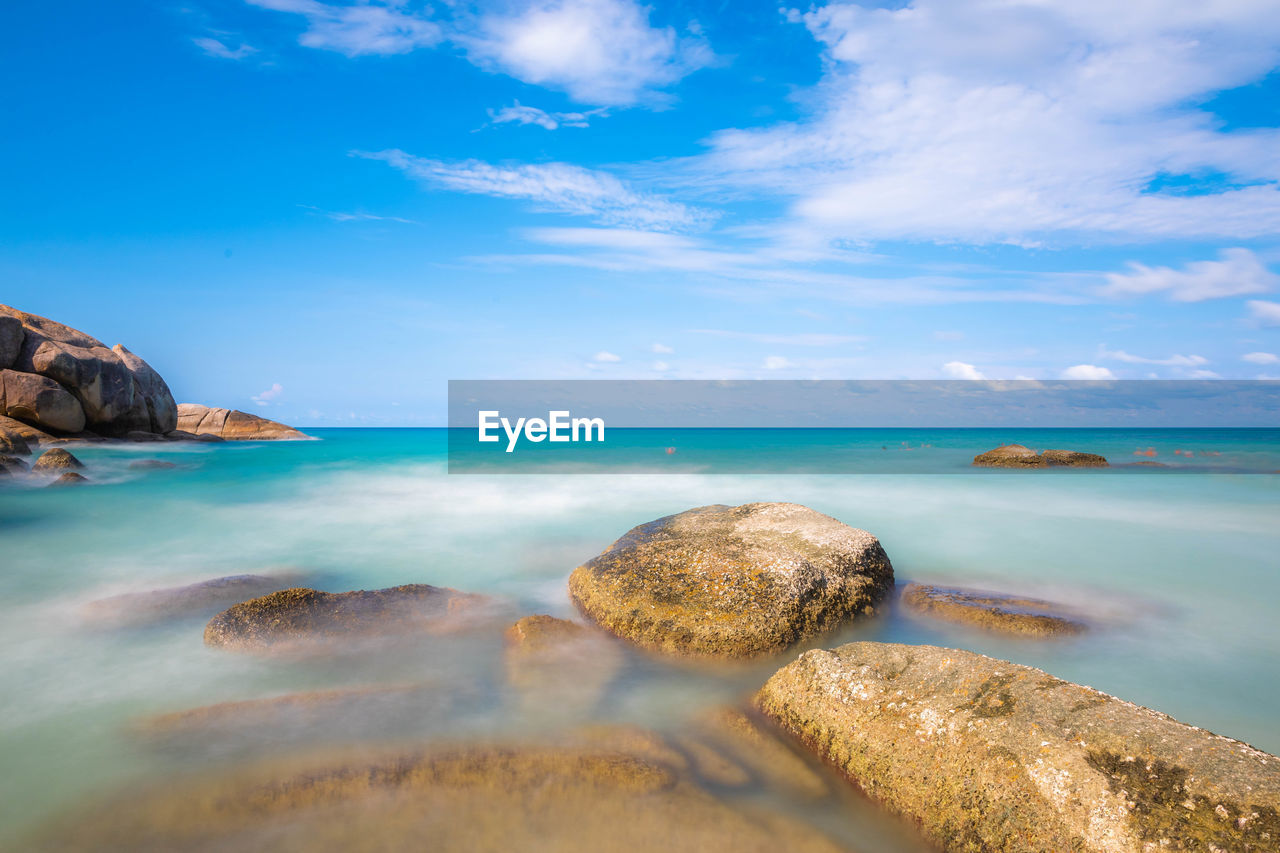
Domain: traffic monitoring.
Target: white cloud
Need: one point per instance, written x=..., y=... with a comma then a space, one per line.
x=662, y=349
x=598, y=51
x=1087, y=371
x=215, y=47
x=358, y=216
x=1266, y=313
x=802, y=340
x=557, y=187
x=520, y=114
x=268, y=395
x=983, y=121
x=606, y=357
x=1171, y=361
x=376, y=27
x=1261, y=358
x=960, y=370
x=776, y=362
x=661, y=366
x=1238, y=272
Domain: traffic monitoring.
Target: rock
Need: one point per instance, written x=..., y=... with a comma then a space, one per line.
x=993, y=611
x=615, y=790
x=1019, y=456
x=40, y=400
x=69, y=478
x=151, y=465
x=989, y=755
x=12, y=465
x=12, y=443
x=28, y=433
x=135, y=435
x=56, y=459
x=1074, y=459
x=300, y=615
x=560, y=663
x=154, y=410
x=1147, y=463
x=179, y=435
x=11, y=335
x=232, y=425
x=203, y=599
x=733, y=581
x=766, y=758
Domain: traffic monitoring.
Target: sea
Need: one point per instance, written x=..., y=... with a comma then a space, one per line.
x=1177, y=570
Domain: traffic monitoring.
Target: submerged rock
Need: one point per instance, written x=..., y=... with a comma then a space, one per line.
x=12, y=465
x=300, y=615
x=560, y=663
x=70, y=478
x=151, y=465
x=201, y=599
x=993, y=611
x=617, y=790
x=56, y=459
x=1074, y=459
x=232, y=425
x=989, y=755
x=13, y=443
x=733, y=581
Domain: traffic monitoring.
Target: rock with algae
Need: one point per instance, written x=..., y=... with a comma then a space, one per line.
x=991, y=756
x=727, y=582
x=992, y=611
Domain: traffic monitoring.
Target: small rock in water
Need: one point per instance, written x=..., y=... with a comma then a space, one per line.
x=201, y=599
x=151, y=465
x=724, y=581
x=989, y=755
x=558, y=664
x=1020, y=456
x=300, y=616
x=993, y=611
x=70, y=478
x=12, y=465
x=56, y=459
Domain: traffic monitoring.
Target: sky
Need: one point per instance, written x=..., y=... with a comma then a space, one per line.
x=321, y=211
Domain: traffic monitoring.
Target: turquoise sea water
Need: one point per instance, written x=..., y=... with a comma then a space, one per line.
x=1181, y=575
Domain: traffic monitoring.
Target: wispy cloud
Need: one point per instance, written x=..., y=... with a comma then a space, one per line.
x=606, y=357
x=1237, y=272
x=1171, y=361
x=218, y=48
x=520, y=114
x=358, y=216
x=265, y=398
x=555, y=187
x=370, y=27
x=1264, y=313
x=1261, y=358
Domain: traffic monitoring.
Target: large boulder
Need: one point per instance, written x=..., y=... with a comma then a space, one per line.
x=993, y=611
x=614, y=790
x=39, y=400
x=11, y=335
x=232, y=424
x=728, y=581
x=989, y=755
x=117, y=392
x=300, y=616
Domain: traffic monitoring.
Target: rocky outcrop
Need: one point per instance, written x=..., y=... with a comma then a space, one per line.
x=11, y=334
x=69, y=478
x=202, y=599
x=1020, y=456
x=13, y=442
x=39, y=400
x=56, y=459
x=232, y=425
x=32, y=436
x=993, y=756
x=995, y=612
x=733, y=581
x=300, y=616
x=10, y=465
x=117, y=391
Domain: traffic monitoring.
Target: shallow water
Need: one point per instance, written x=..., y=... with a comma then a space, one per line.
x=1181, y=573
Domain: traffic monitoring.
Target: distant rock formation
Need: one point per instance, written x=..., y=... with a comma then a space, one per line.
x=1019, y=456
x=59, y=384
x=232, y=425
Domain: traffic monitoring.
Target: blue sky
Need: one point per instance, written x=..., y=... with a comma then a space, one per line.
x=322, y=211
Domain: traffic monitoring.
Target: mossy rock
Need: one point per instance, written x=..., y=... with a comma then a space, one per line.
x=991, y=756
x=1005, y=614
x=733, y=582
x=610, y=790
x=56, y=459
x=301, y=616
x=1021, y=456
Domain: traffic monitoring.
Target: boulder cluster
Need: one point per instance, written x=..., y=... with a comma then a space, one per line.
x=1021, y=456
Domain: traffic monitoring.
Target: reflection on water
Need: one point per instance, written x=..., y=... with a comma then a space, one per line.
x=1178, y=576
